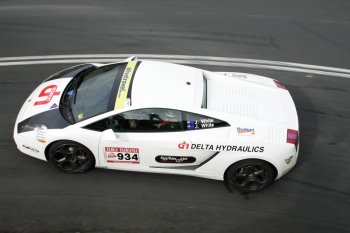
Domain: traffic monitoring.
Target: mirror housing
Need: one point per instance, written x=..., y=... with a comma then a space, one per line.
x=108, y=135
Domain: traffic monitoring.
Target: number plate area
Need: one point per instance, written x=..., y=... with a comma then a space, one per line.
x=122, y=155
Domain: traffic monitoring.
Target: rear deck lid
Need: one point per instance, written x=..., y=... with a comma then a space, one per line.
x=251, y=100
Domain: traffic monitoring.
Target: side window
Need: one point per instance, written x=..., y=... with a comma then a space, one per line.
x=147, y=120
x=100, y=125
x=156, y=120
x=194, y=121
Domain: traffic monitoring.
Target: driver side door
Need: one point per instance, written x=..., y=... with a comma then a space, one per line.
x=138, y=139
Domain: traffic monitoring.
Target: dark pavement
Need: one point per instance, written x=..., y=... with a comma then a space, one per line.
x=313, y=197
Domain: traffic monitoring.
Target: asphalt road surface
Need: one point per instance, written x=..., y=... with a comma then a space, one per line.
x=313, y=197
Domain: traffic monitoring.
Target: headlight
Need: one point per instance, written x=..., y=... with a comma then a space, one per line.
x=30, y=127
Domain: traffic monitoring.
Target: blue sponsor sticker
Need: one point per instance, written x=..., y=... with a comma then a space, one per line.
x=191, y=125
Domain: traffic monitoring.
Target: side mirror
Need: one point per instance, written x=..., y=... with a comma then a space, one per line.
x=108, y=135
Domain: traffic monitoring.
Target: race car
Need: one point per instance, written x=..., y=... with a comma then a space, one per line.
x=152, y=116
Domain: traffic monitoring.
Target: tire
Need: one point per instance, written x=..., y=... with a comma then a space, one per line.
x=249, y=175
x=71, y=157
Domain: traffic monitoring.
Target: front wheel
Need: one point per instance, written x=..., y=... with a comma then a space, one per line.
x=249, y=175
x=71, y=157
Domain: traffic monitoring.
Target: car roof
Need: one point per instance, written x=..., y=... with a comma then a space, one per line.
x=165, y=84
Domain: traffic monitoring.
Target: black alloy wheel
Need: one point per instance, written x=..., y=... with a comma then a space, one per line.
x=71, y=157
x=249, y=175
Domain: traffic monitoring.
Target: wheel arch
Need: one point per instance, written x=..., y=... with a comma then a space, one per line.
x=47, y=148
x=275, y=171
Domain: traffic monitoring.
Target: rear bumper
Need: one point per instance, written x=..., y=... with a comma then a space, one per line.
x=287, y=162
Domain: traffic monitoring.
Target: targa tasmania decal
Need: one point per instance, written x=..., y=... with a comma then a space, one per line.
x=122, y=155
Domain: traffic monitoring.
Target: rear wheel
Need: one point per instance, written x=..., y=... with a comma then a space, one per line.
x=249, y=175
x=71, y=157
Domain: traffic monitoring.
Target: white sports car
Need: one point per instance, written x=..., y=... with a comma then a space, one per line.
x=153, y=116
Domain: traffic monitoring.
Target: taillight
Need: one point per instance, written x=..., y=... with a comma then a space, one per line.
x=292, y=137
x=279, y=84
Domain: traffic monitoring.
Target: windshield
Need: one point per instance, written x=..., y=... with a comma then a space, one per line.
x=92, y=93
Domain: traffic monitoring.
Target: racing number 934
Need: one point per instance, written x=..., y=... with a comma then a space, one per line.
x=122, y=155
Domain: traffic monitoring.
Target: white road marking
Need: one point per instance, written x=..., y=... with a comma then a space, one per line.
x=181, y=59
x=185, y=57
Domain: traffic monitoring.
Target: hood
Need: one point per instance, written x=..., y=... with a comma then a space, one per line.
x=45, y=97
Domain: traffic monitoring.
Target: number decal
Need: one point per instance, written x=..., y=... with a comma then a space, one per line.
x=119, y=155
x=122, y=155
x=135, y=157
x=47, y=92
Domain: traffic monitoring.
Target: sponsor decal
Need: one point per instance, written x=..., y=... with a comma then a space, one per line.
x=48, y=92
x=192, y=124
x=31, y=148
x=54, y=106
x=121, y=100
x=289, y=160
x=244, y=76
x=40, y=136
x=122, y=155
x=237, y=75
x=174, y=159
x=207, y=123
x=211, y=147
x=183, y=145
x=245, y=131
x=200, y=124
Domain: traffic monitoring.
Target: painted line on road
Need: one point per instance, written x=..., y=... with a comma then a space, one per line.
x=180, y=59
x=184, y=57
